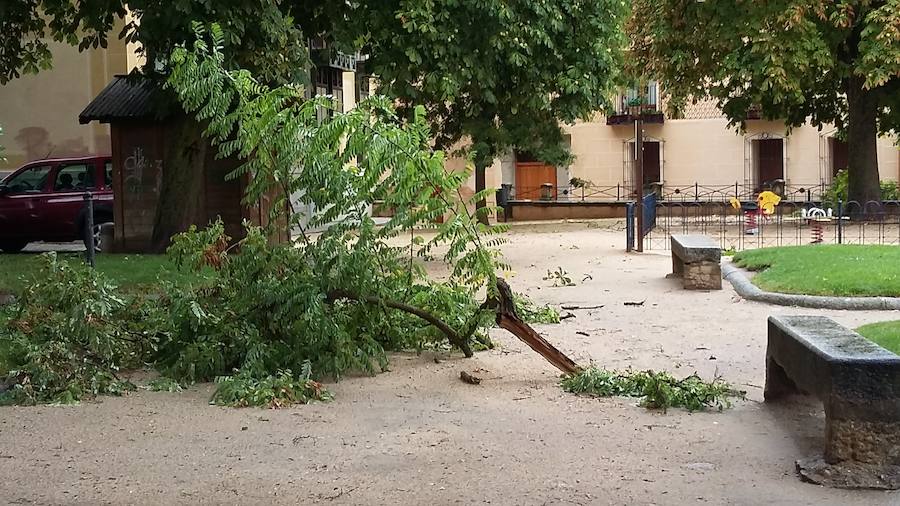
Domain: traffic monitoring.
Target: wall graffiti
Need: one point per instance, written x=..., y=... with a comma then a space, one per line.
x=137, y=168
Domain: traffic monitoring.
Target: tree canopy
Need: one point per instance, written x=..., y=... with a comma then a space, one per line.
x=260, y=34
x=500, y=74
x=797, y=60
x=497, y=71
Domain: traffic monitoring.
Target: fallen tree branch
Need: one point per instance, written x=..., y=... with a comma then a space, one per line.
x=574, y=307
x=508, y=319
x=452, y=336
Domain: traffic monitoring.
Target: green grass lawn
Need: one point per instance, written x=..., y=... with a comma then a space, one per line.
x=828, y=269
x=130, y=272
x=886, y=334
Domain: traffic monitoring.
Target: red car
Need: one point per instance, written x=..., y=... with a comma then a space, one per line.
x=44, y=201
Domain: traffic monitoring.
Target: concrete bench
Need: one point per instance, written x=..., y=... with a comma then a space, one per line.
x=859, y=383
x=696, y=259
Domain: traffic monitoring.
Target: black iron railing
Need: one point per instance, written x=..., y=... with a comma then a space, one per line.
x=792, y=223
x=666, y=193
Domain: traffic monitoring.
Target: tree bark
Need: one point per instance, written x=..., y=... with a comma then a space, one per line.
x=182, y=195
x=480, y=184
x=862, y=138
x=508, y=319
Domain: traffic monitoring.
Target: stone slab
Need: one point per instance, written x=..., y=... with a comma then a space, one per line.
x=859, y=384
x=695, y=248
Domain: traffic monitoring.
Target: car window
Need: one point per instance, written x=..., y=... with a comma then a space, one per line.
x=74, y=178
x=31, y=180
x=107, y=178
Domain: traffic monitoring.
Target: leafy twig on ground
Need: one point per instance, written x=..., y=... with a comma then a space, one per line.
x=275, y=391
x=532, y=313
x=559, y=277
x=163, y=384
x=657, y=390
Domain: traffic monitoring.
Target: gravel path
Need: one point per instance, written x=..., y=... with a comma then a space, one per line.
x=418, y=435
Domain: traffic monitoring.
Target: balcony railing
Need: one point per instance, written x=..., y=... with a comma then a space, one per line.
x=627, y=114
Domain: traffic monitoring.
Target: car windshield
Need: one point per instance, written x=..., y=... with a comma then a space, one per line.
x=31, y=179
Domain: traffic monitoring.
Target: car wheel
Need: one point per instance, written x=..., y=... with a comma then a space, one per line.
x=13, y=246
x=95, y=233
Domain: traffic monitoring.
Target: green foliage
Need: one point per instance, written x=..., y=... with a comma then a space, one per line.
x=828, y=63
x=342, y=298
x=254, y=29
x=68, y=335
x=530, y=312
x=273, y=391
x=576, y=182
x=504, y=81
x=559, y=277
x=826, y=269
x=351, y=161
x=2, y=149
x=657, y=390
x=164, y=384
x=839, y=189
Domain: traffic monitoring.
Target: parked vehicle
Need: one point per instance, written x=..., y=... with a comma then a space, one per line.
x=44, y=201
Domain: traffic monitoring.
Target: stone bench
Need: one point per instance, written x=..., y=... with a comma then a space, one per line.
x=859, y=383
x=696, y=259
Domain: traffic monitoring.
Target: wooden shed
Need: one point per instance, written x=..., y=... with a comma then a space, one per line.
x=142, y=131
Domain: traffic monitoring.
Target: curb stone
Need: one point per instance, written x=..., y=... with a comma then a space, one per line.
x=749, y=291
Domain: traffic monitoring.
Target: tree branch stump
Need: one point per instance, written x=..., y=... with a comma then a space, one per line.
x=508, y=319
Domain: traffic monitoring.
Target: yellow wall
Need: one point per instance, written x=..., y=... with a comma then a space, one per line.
x=707, y=151
x=39, y=113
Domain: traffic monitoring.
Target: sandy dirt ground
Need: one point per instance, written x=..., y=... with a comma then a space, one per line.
x=418, y=435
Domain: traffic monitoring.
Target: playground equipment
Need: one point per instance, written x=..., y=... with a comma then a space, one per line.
x=765, y=205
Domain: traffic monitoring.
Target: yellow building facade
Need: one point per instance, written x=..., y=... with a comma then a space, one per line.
x=39, y=112
x=697, y=152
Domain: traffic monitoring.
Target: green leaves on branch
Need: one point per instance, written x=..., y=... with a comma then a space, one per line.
x=533, y=313
x=657, y=390
x=495, y=75
x=274, y=391
x=68, y=336
x=339, y=164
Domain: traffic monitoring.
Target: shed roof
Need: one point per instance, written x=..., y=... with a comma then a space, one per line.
x=124, y=98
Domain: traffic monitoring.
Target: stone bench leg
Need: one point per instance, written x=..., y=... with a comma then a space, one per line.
x=677, y=267
x=856, y=433
x=778, y=384
x=703, y=275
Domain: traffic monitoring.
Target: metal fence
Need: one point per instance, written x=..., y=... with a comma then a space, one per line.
x=585, y=193
x=792, y=223
x=695, y=192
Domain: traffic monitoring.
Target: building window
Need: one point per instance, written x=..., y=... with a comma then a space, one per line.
x=329, y=81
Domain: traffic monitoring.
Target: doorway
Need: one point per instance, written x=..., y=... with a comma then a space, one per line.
x=652, y=162
x=769, y=158
x=530, y=178
x=840, y=156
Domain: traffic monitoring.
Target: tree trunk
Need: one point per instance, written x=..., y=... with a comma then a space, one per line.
x=862, y=137
x=480, y=171
x=182, y=196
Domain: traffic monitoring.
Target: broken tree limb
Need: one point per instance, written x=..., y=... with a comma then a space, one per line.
x=508, y=319
x=574, y=307
x=452, y=336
